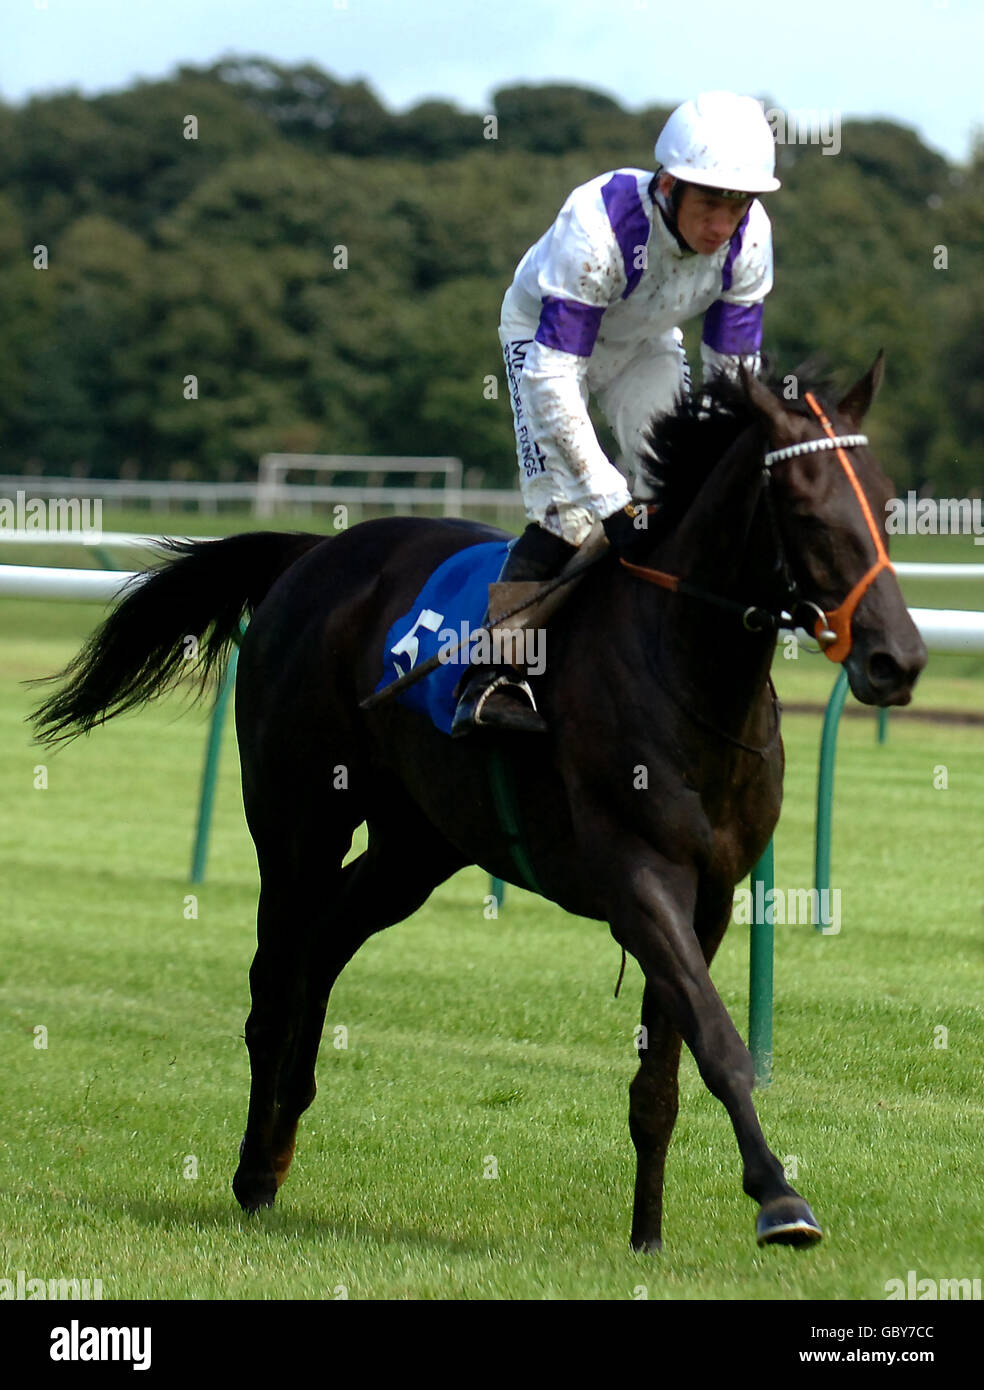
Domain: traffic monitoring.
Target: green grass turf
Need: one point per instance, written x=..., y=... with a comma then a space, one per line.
x=473, y=1047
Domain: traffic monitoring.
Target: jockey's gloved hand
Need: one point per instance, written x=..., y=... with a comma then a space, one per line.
x=628, y=530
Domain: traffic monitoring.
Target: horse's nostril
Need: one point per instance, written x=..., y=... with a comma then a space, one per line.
x=883, y=669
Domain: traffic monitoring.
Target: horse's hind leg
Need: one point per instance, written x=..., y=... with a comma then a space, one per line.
x=653, y=1100
x=383, y=886
x=296, y=891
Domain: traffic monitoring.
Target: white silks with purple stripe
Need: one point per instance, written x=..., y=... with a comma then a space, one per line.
x=594, y=311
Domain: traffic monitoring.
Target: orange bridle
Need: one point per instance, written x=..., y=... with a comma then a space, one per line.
x=839, y=621
x=833, y=630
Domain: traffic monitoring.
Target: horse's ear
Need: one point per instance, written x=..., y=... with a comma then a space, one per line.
x=765, y=403
x=855, y=405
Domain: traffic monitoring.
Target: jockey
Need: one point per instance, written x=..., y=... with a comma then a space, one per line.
x=594, y=309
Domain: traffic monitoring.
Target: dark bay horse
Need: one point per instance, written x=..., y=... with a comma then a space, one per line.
x=638, y=676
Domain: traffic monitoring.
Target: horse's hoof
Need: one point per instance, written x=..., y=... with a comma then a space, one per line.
x=651, y=1246
x=254, y=1195
x=252, y=1206
x=787, y=1221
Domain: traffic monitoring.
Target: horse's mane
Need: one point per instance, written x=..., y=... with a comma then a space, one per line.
x=682, y=447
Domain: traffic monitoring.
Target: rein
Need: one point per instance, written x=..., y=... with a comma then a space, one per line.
x=832, y=630
x=753, y=617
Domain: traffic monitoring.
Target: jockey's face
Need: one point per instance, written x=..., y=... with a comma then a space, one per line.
x=706, y=220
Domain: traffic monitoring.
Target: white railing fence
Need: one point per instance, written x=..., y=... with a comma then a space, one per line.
x=952, y=630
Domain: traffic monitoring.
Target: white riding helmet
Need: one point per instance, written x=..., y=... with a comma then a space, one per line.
x=720, y=140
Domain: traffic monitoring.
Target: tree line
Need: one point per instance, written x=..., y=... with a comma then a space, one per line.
x=248, y=257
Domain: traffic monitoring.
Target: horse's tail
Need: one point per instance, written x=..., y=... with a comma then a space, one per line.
x=145, y=645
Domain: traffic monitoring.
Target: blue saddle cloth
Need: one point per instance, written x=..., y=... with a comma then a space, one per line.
x=451, y=604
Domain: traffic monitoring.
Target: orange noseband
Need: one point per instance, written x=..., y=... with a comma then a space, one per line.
x=839, y=620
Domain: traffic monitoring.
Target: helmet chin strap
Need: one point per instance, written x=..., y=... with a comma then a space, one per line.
x=668, y=209
x=670, y=206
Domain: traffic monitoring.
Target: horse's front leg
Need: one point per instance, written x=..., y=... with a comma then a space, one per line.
x=653, y=917
x=654, y=1092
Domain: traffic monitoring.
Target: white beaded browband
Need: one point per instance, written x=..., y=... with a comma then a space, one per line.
x=811, y=446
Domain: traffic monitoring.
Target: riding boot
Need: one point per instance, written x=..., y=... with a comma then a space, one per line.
x=495, y=695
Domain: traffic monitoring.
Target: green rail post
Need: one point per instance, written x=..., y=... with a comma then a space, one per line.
x=760, y=967
x=883, y=724
x=825, y=785
x=104, y=557
x=211, y=768
x=497, y=888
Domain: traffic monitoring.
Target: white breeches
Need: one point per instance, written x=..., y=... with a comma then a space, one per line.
x=566, y=497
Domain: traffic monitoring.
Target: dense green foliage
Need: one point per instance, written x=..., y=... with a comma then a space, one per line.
x=330, y=272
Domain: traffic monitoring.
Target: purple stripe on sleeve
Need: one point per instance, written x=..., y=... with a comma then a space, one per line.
x=629, y=223
x=737, y=237
x=734, y=328
x=569, y=325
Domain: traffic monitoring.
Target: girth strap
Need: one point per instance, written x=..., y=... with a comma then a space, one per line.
x=507, y=813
